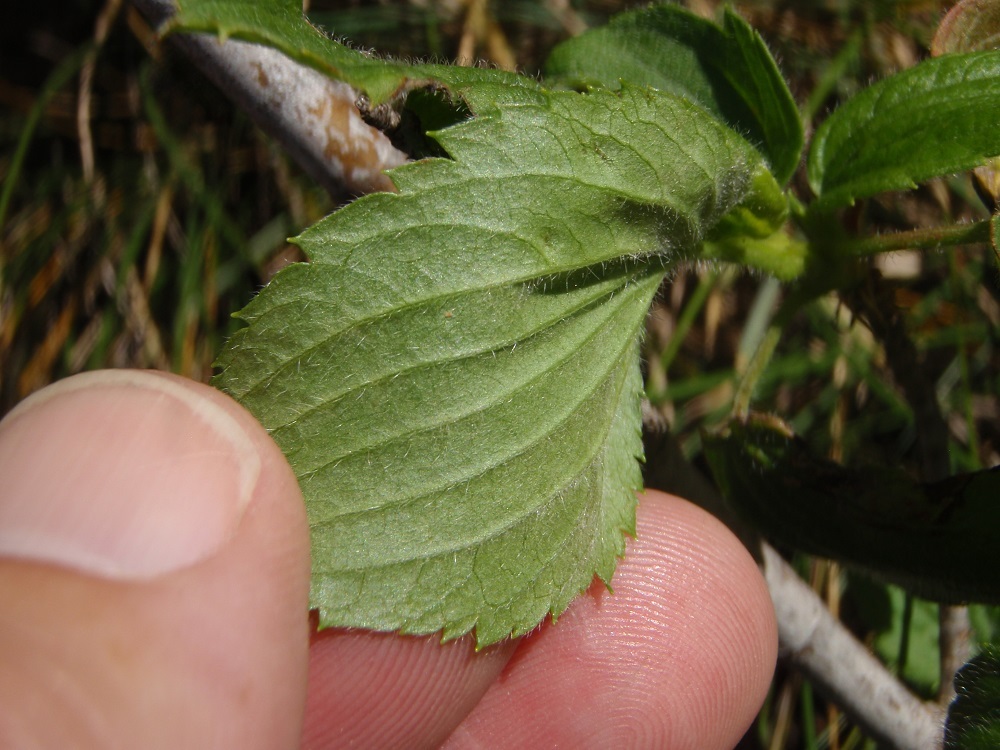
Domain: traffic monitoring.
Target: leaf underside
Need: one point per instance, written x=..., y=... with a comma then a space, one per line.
x=727, y=70
x=455, y=376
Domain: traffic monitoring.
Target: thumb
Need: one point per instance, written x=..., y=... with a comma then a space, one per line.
x=154, y=570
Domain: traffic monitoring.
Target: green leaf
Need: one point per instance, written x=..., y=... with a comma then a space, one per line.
x=281, y=24
x=974, y=715
x=938, y=540
x=936, y=118
x=455, y=375
x=726, y=70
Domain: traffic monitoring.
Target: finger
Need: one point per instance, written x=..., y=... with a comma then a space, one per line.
x=376, y=690
x=680, y=656
x=153, y=568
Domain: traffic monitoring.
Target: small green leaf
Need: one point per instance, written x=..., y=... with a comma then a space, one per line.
x=938, y=540
x=455, y=375
x=281, y=24
x=754, y=233
x=726, y=70
x=936, y=118
x=974, y=715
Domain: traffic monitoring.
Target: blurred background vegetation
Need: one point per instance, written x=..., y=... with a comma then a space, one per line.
x=139, y=209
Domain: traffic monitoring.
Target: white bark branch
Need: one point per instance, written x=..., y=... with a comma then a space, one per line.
x=313, y=117
x=842, y=668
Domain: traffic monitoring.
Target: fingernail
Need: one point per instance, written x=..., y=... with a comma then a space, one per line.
x=122, y=473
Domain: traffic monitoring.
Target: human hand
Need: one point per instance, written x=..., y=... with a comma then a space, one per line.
x=154, y=574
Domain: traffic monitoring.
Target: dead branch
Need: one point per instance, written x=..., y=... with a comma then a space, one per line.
x=313, y=117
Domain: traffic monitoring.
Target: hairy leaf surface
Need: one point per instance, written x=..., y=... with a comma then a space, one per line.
x=455, y=375
x=280, y=24
x=727, y=70
x=934, y=119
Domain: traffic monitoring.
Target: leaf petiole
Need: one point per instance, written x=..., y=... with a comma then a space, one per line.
x=919, y=239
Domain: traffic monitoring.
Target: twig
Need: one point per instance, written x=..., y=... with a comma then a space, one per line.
x=313, y=117
x=954, y=638
x=842, y=668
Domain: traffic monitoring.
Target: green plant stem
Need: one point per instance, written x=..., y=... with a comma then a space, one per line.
x=808, y=716
x=687, y=318
x=921, y=239
x=752, y=374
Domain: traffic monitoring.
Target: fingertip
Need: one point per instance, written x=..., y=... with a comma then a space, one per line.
x=679, y=656
x=716, y=606
x=383, y=690
x=108, y=472
x=211, y=647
